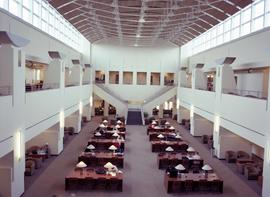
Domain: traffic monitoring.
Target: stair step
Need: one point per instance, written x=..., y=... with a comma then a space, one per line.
x=134, y=118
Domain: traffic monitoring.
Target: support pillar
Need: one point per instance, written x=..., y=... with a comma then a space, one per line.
x=160, y=113
x=106, y=108
x=74, y=120
x=266, y=169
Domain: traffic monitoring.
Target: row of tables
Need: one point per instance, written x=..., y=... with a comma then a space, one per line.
x=98, y=165
x=185, y=169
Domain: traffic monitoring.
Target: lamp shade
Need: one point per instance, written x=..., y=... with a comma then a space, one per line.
x=115, y=135
x=178, y=136
x=117, y=126
x=118, y=122
x=206, y=167
x=108, y=165
x=179, y=167
x=91, y=147
x=81, y=164
x=156, y=127
x=97, y=134
x=102, y=126
x=154, y=122
x=160, y=136
x=167, y=123
x=169, y=149
x=196, y=156
x=190, y=149
x=105, y=121
x=112, y=147
x=171, y=127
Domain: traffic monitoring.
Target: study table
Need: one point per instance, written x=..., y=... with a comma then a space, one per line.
x=89, y=179
x=193, y=182
x=165, y=160
x=160, y=146
x=101, y=158
x=160, y=129
x=104, y=144
x=109, y=135
x=167, y=135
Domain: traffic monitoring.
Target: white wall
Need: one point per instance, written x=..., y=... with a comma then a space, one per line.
x=163, y=58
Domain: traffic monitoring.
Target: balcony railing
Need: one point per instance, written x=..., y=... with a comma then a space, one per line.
x=99, y=80
x=86, y=82
x=40, y=87
x=185, y=85
x=246, y=93
x=71, y=84
x=5, y=90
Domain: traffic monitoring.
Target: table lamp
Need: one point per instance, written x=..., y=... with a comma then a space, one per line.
x=190, y=150
x=169, y=149
x=105, y=121
x=109, y=166
x=113, y=148
x=98, y=134
x=117, y=126
x=160, y=136
x=178, y=136
x=91, y=147
x=81, y=165
x=118, y=122
x=206, y=169
x=196, y=157
x=167, y=123
x=154, y=122
x=102, y=126
x=171, y=128
x=180, y=168
x=115, y=134
x=156, y=127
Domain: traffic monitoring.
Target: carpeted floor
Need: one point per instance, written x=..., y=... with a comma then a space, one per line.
x=141, y=175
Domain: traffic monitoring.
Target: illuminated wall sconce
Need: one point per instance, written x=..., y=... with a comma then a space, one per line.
x=62, y=119
x=216, y=123
x=191, y=111
x=18, y=144
x=91, y=101
x=177, y=104
x=80, y=107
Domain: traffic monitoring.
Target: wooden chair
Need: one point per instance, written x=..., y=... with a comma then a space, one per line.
x=188, y=185
x=203, y=186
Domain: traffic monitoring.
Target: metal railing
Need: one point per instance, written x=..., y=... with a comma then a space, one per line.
x=40, y=87
x=161, y=92
x=103, y=87
x=246, y=93
x=5, y=90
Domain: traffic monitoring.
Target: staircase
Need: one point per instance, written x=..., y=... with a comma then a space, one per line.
x=134, y=117
x=159, y=98
x=110, y=97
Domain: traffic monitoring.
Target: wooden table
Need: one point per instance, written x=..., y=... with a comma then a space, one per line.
x=108, y=135
x=190, y=182
x=88, y=179
x=101, y=158
x=104, y=144
x=160, y=146
x=165, y=160
x=153, y=136
x=167, y=129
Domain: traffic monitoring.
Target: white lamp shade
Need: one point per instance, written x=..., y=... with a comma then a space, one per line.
x=102, y=126
x=167, y=123
x=206, y=167
x=196, y=156
x=105, y=121
x=190, y=149
x=112, y=147
x=117, y=126
x=169, y=149
x=81, y=164
x=179, y=167
x=156, y=127
x=118, y=122
x=178, y=136
x=91, y=147
x=160, y=136
x=154, y=122
x=108, y=165
x=97, y=134
x=171, y=127
x=115, y=135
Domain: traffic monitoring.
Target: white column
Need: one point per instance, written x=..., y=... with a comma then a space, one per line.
x=106, y=108
x=121, y=77
x=191, y=116
x=160, y=113
x=134, y=76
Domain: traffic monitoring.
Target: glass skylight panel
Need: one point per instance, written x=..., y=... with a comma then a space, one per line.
x=236, y=21
x=36, y=21
x=26, y=15
x=245, y=29
x=235, y=33
x=36, y=7
x=227, y=36
x=258, y=23
x=4, y=4
x=246, y=16
x=220, y=29
x=267, y=20
x=258, y=9
x=27, y=3
x=227, y=25
x=14, y=7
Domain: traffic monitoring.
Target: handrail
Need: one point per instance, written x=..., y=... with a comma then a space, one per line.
x=40, y=87
x=246, y=93
x=5, y=90
x=110, y=92
x=162, y=91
